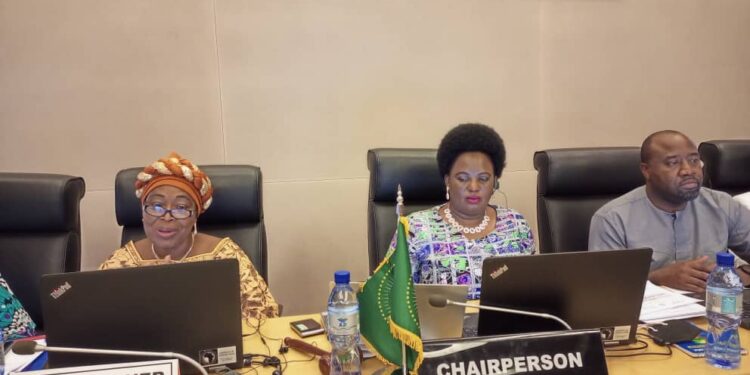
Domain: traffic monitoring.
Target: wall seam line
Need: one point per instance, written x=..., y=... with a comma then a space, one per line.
x=221, y=91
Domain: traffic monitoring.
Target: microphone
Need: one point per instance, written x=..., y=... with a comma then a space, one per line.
x=29, y=347
x=440, y=302
x=24, y=347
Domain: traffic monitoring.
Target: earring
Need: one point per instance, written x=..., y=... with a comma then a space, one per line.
x=497, y=184
x=195, y=229
x=447, y=194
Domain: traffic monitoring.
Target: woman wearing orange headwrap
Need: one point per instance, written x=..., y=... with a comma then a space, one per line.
x=173, y=193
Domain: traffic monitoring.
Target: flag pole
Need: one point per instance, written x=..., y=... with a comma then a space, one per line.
x=399, y=213
x=404, y=366
x=399, y=202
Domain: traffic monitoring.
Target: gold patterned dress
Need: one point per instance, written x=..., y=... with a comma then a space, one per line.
x=257, y=301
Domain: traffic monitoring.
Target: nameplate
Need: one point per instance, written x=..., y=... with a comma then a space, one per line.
x=160, y=367
x=568, y=352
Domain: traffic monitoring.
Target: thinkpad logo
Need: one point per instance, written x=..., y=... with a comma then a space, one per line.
x=499, y=271
x=60, y=290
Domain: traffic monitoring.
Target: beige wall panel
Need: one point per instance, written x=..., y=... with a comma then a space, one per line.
x=308, y=88
x=89, y=87
x=99, y=229
x=314, y=228
x=615, y=71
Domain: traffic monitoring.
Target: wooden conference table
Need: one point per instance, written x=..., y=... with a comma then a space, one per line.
x=274, y=330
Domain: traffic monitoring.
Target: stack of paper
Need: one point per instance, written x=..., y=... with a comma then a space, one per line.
x=660, y=304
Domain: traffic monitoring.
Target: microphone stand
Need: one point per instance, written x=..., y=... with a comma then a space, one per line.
x=511, y=311
x=183, y=357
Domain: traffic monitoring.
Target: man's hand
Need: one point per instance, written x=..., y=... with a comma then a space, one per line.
x=744, y=275
x=690, y=275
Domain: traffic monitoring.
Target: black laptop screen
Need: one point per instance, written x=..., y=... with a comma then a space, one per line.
x=191, y=308
x=598, y=289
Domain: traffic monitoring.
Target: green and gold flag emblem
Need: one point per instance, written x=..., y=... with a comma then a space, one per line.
x=388, y=309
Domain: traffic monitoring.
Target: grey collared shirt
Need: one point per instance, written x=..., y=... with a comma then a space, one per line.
x=710, y=223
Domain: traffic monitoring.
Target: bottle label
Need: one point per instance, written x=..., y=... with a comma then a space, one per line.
x=344, y=322
x=724, y=303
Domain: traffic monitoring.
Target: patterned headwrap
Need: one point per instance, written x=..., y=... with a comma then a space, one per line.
x=180, y=173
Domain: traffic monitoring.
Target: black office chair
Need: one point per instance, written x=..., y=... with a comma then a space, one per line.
x=727, y=163
x=236, y=210
x=572, y=184
x=422, y=187
x=40, y=232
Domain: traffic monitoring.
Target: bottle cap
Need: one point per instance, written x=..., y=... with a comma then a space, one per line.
x=341, y=277
x=725, y=258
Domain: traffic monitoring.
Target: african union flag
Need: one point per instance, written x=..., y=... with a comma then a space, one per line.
x=388, y=309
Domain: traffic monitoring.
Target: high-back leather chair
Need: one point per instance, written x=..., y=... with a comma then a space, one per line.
x=572, y=184
x=40, y=232
x=727, y=165
x=236, y=210
x=422, y=186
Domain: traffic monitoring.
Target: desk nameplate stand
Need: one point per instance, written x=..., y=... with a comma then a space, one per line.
x=548, y=353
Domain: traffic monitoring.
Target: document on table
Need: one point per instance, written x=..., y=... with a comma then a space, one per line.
x=17, y=362
x=660, y=304
x=678, y=291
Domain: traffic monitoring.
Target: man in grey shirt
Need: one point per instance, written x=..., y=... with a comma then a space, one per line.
x=684, y=223
x=743, y=198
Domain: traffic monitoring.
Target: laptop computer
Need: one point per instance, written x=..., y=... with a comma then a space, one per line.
x=440, y=322
x=596, y=289
x=189, y=308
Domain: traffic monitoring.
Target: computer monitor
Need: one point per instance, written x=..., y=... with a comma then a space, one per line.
x=589, y=289
x=190, y=308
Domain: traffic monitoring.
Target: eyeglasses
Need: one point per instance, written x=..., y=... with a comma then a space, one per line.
x=158, y=210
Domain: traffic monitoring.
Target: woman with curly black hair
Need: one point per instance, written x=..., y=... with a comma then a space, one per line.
x=449, y=242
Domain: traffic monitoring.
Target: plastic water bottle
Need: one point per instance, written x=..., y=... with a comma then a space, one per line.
x=724, y=310
x=343, y=327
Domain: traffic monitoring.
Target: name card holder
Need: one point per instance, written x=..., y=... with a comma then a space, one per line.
x=548, y=353
x=160, y=367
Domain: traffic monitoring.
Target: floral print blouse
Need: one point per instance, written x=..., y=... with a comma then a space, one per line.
x=441, y=254
x=256, y=300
